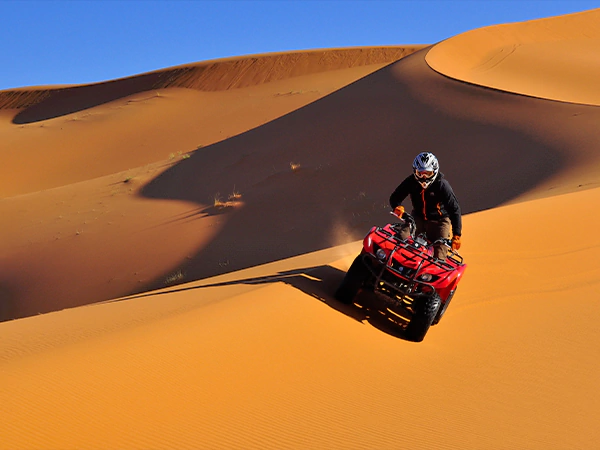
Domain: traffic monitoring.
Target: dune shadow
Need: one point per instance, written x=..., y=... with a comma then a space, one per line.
x=8, y=304
x=62, y=101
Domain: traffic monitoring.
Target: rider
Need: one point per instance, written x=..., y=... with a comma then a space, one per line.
x=435, y=208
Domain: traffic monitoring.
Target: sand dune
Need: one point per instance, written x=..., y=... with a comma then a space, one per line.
x=127, y=123
x=352, y=147
x=555, y=58
x=151, y=316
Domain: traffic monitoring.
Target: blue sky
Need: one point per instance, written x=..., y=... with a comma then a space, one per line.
x=49, y=42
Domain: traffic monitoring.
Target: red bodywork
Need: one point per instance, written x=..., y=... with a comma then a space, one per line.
x=403, y=267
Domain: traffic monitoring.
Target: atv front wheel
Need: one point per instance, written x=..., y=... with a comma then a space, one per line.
x=425, y=310
x=354, y=280
x=443, y=309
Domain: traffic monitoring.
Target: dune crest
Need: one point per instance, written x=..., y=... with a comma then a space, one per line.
x=556, y=58
x=216, y=75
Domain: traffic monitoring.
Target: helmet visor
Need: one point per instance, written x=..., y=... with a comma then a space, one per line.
x=424, y=174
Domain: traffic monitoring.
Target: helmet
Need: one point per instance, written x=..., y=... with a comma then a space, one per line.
x=426, y=168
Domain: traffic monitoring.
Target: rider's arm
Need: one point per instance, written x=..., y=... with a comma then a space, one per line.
x=453, y=208
x=400, y=193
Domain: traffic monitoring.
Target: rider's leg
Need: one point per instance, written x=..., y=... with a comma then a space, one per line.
x=439, y=229
x=404, y=233
x=420, y=223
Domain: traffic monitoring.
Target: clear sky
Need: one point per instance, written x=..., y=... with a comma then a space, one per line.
x=49, y=42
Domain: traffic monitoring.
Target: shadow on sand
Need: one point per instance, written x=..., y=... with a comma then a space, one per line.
x=320, y=282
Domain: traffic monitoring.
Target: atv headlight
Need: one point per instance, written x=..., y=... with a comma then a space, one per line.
x=426, y=277
x=380, y=253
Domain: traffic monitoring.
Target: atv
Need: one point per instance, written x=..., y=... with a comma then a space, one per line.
x=401, y=269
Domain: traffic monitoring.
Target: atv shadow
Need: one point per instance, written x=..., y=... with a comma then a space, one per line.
x=321, y=282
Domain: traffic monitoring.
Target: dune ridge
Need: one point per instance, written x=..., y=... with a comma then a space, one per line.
x=217, y=75
x=554, y=58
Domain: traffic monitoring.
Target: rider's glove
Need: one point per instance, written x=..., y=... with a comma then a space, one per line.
x=455, y=242
x=399, y=211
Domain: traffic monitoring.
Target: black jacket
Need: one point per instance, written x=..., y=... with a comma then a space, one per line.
x=434, y=203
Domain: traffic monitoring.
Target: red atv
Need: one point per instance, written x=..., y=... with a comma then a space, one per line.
x=400, y=268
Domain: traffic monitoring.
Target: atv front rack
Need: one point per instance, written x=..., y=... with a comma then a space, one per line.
x=419, y=243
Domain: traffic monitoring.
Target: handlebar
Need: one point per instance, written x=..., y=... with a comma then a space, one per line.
x=446, y=242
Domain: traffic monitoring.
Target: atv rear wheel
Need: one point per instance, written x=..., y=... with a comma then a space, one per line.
x=443, y=308
x=425, y=310
x=354, y=280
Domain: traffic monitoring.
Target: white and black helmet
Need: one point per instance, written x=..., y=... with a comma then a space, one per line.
x=426, y=168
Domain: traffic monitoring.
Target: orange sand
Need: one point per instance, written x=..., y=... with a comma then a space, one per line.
x=555, y=58
x=137, y=312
